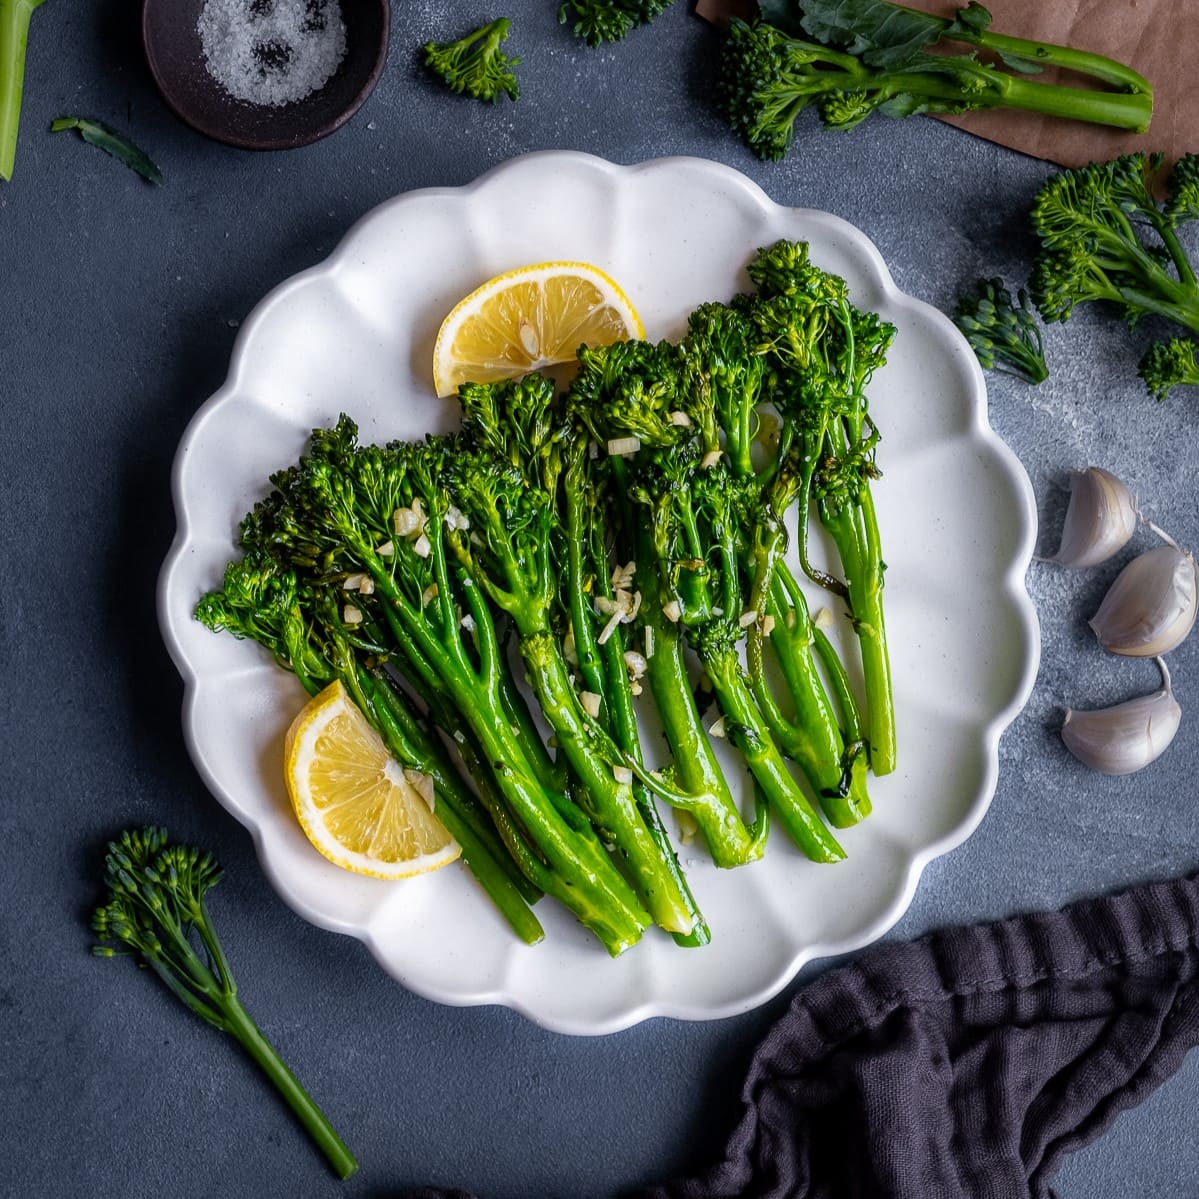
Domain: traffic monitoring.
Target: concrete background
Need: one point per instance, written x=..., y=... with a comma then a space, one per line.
x=119, y=304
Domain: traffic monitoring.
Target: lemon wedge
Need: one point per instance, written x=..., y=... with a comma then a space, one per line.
x=358, y=806
x=529, y=318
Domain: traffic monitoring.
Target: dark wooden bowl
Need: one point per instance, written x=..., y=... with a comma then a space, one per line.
x=176, y=61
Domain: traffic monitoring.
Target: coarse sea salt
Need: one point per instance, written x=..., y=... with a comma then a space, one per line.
x=272, y=52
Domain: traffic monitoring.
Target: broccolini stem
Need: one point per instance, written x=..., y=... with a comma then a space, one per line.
x=1120, y=110
x=729, y=841
x=855, y=760
x=606, y=672
x=813, y=740
x=582, y=876
x=14, y=38
x=854, y=529
x=745, y=728
x=1182, y=263
x=238, y=1023
x=482, y=851
x=614, y=809
x=1083, y=62
x=627, y=737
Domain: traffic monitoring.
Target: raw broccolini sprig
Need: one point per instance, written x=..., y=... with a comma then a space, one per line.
x=156, y=910
x=475, y=65
x=851, y=58
x=1002, y=330
x=1104, y=235
x=1170, y=364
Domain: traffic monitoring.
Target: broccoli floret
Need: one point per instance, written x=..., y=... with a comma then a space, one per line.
x=156, y=908
x=1183, y=202
x=1003, y=331
x=1105, y=236
x=475, y=65
x=866, y=56
x=598, y=21
x=1170, y=364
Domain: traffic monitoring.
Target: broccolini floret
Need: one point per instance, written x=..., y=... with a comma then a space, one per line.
x=851, y=58
x=156, y=909
x=1105, y=236
x=1003, y=331
x=1169, y=364
x=598, y=21
x=475, y=65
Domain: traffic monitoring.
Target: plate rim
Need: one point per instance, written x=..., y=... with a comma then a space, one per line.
x=1014, y=589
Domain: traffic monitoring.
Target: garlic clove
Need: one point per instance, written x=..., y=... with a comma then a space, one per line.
x=1150, y=608
x=1124, y=738
x=1100, y=518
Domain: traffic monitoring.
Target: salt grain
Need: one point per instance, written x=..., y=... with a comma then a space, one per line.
x=271, y=52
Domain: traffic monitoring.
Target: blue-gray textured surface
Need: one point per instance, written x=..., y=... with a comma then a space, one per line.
x=118, y=309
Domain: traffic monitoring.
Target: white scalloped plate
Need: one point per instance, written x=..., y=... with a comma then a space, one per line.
x=356, y=334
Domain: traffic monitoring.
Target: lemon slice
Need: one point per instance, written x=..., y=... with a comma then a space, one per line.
x=358, y=806
x=526, y=319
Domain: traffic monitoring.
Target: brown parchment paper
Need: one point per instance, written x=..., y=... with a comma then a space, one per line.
x=1158, y=38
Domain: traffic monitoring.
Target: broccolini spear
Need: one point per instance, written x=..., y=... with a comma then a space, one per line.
x=1003, y=331
x=724, y=365
x=821, y=351
x=1105, y=236
x=864, y=56
x=475, y=65
x=14, y=39
x=598, y=21
x=156, y=910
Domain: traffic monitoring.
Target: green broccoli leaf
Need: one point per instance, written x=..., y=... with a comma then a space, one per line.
x=879, y=33
x=111, y=142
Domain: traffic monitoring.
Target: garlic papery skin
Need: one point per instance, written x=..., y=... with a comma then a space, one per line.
x=1100, y=518
x=1150, y=607
x=1124, y=738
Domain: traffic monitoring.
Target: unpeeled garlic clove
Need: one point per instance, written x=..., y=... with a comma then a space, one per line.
x=1124, y=738
x=1151, y=606
x=1100, y=518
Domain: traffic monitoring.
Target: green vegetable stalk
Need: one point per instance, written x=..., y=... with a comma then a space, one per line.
x=851, y=58
x=156, y=910
x=14, y=36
